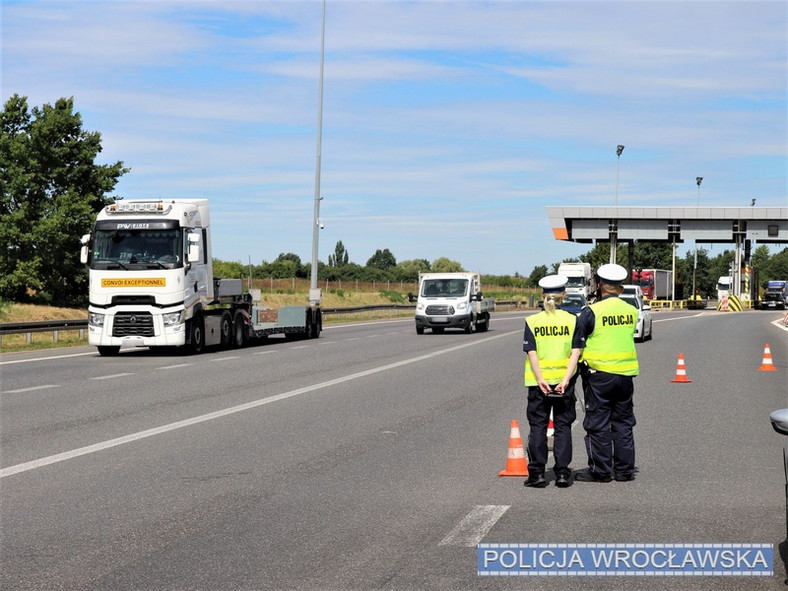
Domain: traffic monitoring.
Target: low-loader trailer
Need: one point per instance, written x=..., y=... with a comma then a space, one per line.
x=150, y=270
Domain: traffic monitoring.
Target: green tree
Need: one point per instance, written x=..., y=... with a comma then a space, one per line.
x=538, y=272
x=229, y=269
x=340, y=258
x=51, y=191
x=409, y=270
x=445, y=265
x=382, y=259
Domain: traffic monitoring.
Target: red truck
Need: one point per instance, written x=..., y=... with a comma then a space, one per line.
x=656, y=284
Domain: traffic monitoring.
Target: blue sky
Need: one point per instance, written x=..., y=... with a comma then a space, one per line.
x=447, y=126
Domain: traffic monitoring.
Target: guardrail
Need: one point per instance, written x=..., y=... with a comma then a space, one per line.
x=374, y=311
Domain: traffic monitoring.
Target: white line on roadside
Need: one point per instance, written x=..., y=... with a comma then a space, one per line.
x=176, y=366
x=47, y=358
x=474, y=526
x=219, y=359
x=89, y=449
x=111, y=376
x=31, y=389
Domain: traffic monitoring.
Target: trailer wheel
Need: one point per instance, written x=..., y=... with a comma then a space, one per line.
x=226, y=329
x=198, y=334
x=239, y=330
x=108, y=351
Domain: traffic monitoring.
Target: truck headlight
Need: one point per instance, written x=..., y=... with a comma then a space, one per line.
x=461, y=306
x=95, y=319
x=420, y=306
x=173, y=319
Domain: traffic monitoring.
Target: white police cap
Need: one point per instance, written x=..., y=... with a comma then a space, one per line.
x=553, y=283
x=612, y=273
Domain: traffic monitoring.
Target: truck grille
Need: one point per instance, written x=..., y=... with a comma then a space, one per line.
x=439, y=310
x=133, y=324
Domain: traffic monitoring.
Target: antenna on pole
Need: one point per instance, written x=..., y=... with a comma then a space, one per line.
x=314, y=292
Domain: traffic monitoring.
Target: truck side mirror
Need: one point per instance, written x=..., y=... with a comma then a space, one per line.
x=193, y=256
x=85, y=252
x=411, y=298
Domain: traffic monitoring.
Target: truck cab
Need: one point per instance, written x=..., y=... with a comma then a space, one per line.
x=451, y=300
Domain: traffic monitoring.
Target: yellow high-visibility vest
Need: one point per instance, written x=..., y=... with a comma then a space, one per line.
x=553, y=336
x=611, y=347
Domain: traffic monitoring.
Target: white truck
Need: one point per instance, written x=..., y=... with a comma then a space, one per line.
x=581, y=278
x=150, y=270
x=451, y=300
x=724, y=286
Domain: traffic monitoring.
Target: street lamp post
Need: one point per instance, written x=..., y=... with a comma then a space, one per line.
x=317, y=223
x=698, y=180
x=619, y=149
x=613, y=243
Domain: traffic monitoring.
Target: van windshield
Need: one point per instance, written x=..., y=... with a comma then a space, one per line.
x=431, y=288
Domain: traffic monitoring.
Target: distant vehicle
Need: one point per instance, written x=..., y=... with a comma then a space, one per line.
x=724, y=285
x=574, y=303
x=656, y=283
x=644, y=328
x=451, y=300
x=776, y=295
x=581, y=278
x=630, y=289
x=779, y=419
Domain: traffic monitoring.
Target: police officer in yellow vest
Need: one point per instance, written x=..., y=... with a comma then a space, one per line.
x=553, y=343
x=610, y=362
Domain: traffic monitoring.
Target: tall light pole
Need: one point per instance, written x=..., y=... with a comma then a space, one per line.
x=698, y=180
x=613, y=242
x=314, y=292
x=619, y=149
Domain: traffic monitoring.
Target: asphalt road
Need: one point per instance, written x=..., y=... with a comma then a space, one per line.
x=369, y=459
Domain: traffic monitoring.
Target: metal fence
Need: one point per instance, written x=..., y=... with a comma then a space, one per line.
x=358, y=312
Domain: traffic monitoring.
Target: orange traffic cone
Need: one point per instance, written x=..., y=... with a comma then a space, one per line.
x=681, y=371
x=516, y=464
x=766, y=364
x=550, y=425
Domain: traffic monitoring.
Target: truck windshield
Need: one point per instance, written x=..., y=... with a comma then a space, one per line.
x=115, y=247
x=576, y=282
x=431, y=288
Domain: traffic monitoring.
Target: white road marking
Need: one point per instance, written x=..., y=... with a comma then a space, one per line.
x=176, y=366
x=111, y=376
x=89, y=449
x=47, y=358
x=31, y=388
x=225, y=358
x=474, y=526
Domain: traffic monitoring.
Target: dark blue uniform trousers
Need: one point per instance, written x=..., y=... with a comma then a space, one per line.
x=564, y=414
x=608, y=423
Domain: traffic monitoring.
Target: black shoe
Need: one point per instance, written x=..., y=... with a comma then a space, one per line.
x=588, y=476
x=624, y=477
x=536, y=481
x=562, y=481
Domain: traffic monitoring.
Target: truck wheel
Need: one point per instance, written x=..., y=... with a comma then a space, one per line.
x=108, y=351
x=419, y=329
x=485, y=324
x=198, y=334
x=226, y=329
x=437, y=330
x=469, y=328
x=239, y=330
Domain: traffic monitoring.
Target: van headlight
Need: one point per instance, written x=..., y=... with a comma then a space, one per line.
x=461, y=306
x=173, y=319
x=95, y=319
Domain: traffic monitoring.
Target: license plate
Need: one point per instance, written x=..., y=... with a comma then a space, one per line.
x=439, y=319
